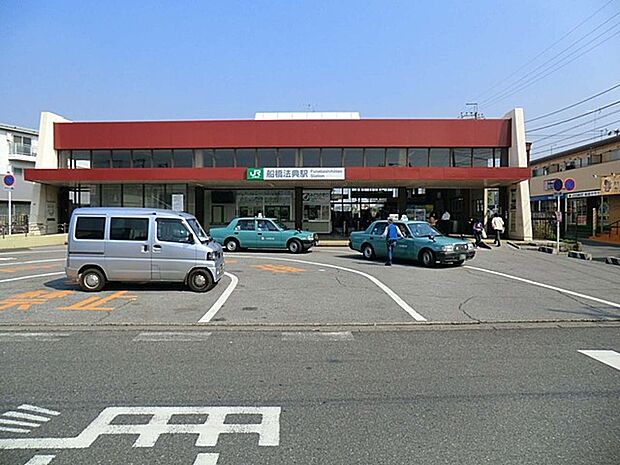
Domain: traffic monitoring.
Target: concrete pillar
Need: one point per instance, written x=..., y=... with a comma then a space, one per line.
x=402, y=201
x=299, y=207
x=519, y=214
x=44, y=206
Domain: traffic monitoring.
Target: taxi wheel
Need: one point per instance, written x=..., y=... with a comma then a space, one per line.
x=427, y=258
x=295, y=246
x=200, y=281
x=368, y=252
x=231, y=245
x=92, y=280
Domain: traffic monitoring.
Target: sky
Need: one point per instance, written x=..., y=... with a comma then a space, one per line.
x=169, y=60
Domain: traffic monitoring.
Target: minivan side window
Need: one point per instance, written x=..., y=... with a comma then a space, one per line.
x=129, y=229
x=90, y=227
x=169, y=230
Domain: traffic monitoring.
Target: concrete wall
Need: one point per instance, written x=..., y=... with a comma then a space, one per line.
x=44, y=206
x=520, y=217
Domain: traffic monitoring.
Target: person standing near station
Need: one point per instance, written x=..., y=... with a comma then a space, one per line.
x=391, y=233
x=497, y=223
x=445, y=223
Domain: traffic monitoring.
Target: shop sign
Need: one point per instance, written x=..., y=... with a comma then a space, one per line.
x=317, y=197
x=177, y=202
x=549, y=184
x=290, y=174
x=577, y=195
x=610, y=185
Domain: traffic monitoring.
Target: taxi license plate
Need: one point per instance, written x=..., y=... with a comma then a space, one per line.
x=462, y=257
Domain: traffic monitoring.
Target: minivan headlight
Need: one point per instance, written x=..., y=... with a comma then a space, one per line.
x=447, y=248
x=210, y=256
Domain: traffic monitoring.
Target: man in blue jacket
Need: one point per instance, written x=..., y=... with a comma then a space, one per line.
x=391, y=233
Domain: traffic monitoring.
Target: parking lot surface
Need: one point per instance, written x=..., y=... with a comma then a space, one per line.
x=328, y=286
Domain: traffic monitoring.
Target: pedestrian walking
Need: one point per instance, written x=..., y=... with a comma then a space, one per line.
x=391, y=233
x=497, y=223
x=479, y=234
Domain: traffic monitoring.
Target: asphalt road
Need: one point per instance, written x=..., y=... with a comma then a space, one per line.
x=520, y=396
x=329, y=286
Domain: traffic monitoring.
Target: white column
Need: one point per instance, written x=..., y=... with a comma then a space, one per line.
x=520, y=222
x=44, y=206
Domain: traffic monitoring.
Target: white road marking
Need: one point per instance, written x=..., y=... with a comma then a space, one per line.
x=4, y=421
x=14, y=430
x=38, y=337
x=222, y=300
x=318, y=336
x=34, y=408
x=34, y=252
x=206, y=458
x=187, y=336
x=41, y=460
x=33, y=261
x=546, y=286
x=25, y=416
x=146, y=435
x=6, y=259
x=31, y=277
x=608, y=357
x=395, y=297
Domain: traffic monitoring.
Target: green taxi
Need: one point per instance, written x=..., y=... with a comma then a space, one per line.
x=262, y=233
x=421, y=242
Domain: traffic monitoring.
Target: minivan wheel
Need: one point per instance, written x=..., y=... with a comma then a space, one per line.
x=368, y=252
x=92, y=280
x=200, y=281
x=295, y=246
x=427, y=258
x=231, y=245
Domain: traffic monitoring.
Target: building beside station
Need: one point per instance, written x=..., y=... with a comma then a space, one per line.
x=329, y=173
x=18, y=151
x=589, y=180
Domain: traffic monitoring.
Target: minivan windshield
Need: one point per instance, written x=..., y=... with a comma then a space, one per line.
x=200, y=233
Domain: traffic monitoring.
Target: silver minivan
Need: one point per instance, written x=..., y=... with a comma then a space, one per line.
x=140, y=245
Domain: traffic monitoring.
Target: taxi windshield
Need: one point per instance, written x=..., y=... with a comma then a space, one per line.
x=279, y=225
x=423, y=230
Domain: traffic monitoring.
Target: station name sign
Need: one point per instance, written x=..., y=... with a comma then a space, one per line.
x=294, y=174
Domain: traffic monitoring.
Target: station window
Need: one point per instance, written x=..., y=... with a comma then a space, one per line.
x=102, y=159
x=417, y=157
x=121, y=159
x=266, y=158
x=207, y=158
x=483, y=158
x=439, y=157
x=375, y=157
x=245, y=158
x=287, y=157
x=183, y=158
x=461, y=158
x=162, y=158
x=311, y=157
x=396, y=157
x=224, y=158
x=129, y=229
x=353, y=157
x=90, y=227
x=331, y=157
x=141, y=159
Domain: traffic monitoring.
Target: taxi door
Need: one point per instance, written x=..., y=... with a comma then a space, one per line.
x=378, y=240
x=268, y=235
x=404, y=245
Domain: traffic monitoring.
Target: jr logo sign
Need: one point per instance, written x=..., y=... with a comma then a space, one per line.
x=254, y=174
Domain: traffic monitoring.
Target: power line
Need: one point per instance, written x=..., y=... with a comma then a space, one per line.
x=577, y=126
x=508, y=92
x=545, y=50
x=574, y=117
x=604, y=126
x=574, y=104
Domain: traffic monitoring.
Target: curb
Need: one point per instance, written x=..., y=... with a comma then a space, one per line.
x=612, y=260
x=550, y=250
x=512, y=244
x=580, y=255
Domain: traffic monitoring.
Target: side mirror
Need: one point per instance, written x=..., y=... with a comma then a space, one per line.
x=432, y=238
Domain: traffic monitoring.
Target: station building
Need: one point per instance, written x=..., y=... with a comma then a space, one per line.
x=330, y=173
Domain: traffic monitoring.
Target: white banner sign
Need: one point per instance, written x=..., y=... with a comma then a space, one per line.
x=290, y=174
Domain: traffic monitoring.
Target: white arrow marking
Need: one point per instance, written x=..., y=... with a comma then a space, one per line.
x=608, y=357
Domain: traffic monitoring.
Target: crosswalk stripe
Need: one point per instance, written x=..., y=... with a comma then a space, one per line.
x=35, y=337
x=4, y=421
x=608, y=357
x=318, y=336
x=187, y=336
x=14, y=430
x=34, y=408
